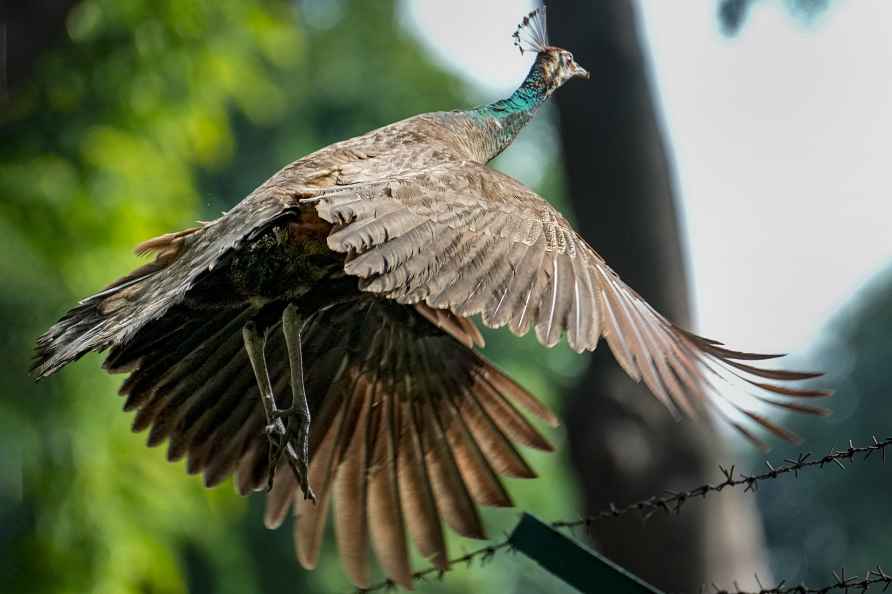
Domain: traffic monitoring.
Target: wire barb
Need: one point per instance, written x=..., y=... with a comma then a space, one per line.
x=841, y=583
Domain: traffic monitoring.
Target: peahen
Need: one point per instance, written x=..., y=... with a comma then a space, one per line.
x=343, y=290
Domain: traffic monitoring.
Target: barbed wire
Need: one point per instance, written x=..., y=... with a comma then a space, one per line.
x=842, y=582
x=481, y=556
x=672, y=502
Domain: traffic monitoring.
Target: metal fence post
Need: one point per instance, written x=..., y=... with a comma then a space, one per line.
x=576, y=564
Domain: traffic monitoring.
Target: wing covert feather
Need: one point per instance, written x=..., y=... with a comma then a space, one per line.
x=465, y=238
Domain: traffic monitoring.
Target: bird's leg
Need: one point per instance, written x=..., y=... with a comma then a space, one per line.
x=255, y=346
x=276, y=431
x=299, y=411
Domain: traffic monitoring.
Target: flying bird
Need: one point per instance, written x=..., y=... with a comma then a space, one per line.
x=320, y=340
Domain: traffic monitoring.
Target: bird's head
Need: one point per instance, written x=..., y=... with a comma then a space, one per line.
x=559, y=66
x=555, y=64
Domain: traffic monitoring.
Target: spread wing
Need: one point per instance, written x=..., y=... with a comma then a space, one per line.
x=412, y=428
x=463, y=237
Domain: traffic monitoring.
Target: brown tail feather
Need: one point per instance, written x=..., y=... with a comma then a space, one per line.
x=310, y=524
x=417, y=496
x=349, y=494
x=385, y=515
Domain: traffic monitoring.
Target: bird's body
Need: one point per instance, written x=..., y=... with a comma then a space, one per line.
x=351, y=275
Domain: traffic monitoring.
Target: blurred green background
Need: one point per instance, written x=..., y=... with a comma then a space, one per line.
x=149, y=115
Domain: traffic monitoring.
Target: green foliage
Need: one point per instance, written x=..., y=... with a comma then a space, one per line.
x=107, y=137
x=145, y=117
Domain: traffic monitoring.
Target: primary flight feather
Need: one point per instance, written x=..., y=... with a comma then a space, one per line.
x=317, y=339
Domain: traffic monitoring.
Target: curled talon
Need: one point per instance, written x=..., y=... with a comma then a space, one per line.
x=309, y=495
x=275, y=428
x=299, y=469
x=282, y=413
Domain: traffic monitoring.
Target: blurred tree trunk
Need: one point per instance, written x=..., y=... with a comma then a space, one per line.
x=624, y=446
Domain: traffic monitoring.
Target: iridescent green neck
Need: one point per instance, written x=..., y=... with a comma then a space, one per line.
x=504, y=119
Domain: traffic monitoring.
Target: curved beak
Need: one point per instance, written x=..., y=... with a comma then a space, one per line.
x=580, y=72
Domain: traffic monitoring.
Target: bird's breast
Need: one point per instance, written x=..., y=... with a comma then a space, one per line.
x=286, y=260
